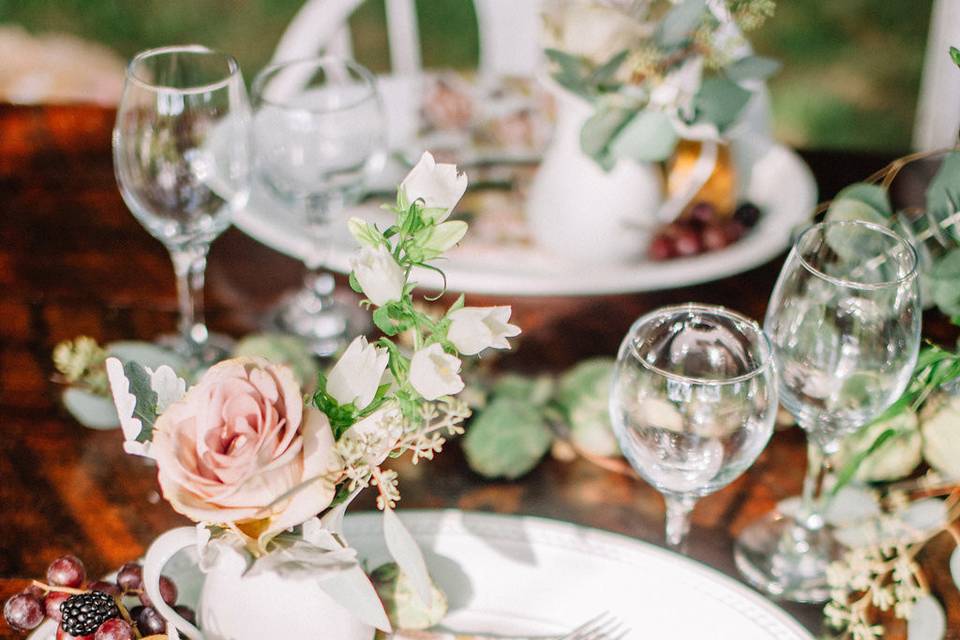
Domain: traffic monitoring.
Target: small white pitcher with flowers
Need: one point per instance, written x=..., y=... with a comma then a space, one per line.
x=268, y=472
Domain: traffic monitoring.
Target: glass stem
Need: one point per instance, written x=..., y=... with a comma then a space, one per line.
x=189, y=264
x=678, y=520
x=812, y=503
x=317, y=280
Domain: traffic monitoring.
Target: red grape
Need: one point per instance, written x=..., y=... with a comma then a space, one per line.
x=63, y=635
x=661, y=248
x=150, y=622
x=734, y=230
x=114, y=629
x=52, y=602
x=66, y=571
x=105, y=587
x=714, y=237
x=23, y=612
x=168, y=590
x=702, y=213
x=130, y=576
x=687, y=243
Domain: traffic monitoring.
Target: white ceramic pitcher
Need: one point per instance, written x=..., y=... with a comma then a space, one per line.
x=234, y=606
x=577, y=210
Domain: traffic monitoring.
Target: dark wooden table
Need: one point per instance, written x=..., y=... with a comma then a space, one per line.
x=74, y=261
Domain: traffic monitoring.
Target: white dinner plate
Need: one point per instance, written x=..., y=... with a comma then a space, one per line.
x=532, y=576
x=779, y=183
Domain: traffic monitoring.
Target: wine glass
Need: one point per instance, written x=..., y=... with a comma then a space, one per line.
x=181, y=158
x=844, y=321
x=319, y=136
x=693, y=401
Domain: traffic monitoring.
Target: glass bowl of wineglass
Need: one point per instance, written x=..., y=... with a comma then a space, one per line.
x=693, y=402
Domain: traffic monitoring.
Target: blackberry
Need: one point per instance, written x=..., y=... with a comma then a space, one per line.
x=83, y=613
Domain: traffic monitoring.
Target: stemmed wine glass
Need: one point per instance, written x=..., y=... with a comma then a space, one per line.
x=693, y=401
x=181, y=158
x=844, y=321
x=319, y=135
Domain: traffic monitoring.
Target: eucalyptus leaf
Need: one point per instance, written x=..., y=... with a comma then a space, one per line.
x=404, y=550
x=678, y=24
x=90, y=410
x=507, y=439
x=720, y=101
x=752, y=68
x=945, y=187
x=927, y=620
x=871, y=194
x=571, y=72
x=944, y=282
x=605, y=72
x=599, y=130
x=648, y=137
x=147, y=354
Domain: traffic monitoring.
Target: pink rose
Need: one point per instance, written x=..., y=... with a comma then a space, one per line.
x=233, y=448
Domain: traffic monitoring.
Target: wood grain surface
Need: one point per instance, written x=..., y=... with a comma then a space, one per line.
x=74, y=261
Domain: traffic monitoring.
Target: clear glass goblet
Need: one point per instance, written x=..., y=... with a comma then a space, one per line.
x=844, y=321
x=319, y=136
x=693, y=401
x=181, y=158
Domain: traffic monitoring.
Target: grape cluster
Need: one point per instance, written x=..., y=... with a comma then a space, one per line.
x=702, y=229
x=93, y=610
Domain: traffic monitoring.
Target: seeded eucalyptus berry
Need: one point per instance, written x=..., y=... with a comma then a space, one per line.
x=82, y=614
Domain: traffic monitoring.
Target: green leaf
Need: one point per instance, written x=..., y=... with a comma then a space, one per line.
x=605, y=72
x=571, y=71
x=720, y=101
x=752, y=68
x=943, y=194
x=870, y=194
x=507, y=439
x=944, y=278
x=599, y=130
x=648, y=137
x=381, y=318
x=146, y=406
x=678, y=25
x=955, y=55
x=354, y=283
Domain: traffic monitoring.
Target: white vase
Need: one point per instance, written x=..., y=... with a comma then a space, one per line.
x=577, y=210
x=234, y=606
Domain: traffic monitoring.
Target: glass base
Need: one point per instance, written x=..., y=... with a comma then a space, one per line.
x=327, y=324
x=785, y=559
x=216, y=348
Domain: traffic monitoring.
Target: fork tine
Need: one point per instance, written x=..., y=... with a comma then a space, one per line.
x=602, y=627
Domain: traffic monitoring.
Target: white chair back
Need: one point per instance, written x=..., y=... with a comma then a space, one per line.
x=938, y=110
x=509, y=34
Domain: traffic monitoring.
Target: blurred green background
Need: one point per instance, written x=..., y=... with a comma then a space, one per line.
x=850, y=80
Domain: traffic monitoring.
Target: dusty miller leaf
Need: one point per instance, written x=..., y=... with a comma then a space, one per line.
x=146, y=406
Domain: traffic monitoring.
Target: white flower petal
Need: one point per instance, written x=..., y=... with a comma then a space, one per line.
x=379, y=275
x=357, y=374
x=438, y=186
x=434, y=373
x=473, y=329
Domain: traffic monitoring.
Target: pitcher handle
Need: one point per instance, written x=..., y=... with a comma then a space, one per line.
x=159, y=553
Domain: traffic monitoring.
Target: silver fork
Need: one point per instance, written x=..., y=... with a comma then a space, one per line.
x=603, y=627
